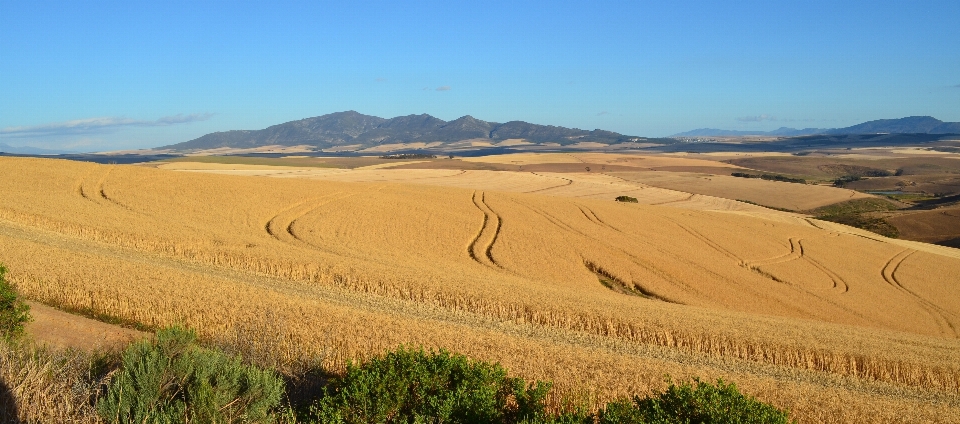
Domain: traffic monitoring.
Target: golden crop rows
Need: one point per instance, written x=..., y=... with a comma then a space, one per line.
x=791, y=311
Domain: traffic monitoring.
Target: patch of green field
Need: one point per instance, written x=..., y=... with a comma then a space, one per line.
x=858, y=213
x=856, y=206
x=911, y=197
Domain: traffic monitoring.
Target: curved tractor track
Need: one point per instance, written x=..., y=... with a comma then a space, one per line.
x=480, y=248
x=798, y=252
x=940, y=315
x=97, y=194
x=280, y=226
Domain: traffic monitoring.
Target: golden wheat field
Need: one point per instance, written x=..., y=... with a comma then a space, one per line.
x=555, y=282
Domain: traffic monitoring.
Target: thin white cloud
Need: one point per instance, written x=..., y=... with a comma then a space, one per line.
x=443, y=88
x=758, y=118
x=98, y=125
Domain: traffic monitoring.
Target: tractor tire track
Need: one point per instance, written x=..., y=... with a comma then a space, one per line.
x=98, y=193
x=796, y=252
x=838, y=281
x=569, y=182
x=636, y=260
x=290, y=236
x=479, y=250
x=726, y=252
x=689, y=197
x=939, y=315
x=277, y=225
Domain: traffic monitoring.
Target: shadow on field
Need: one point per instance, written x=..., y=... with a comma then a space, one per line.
x=306, y=387
x=8, y=406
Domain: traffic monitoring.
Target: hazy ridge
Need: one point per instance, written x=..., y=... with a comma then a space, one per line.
x=908, y=125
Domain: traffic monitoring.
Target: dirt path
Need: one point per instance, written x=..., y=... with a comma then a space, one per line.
x=55, y=328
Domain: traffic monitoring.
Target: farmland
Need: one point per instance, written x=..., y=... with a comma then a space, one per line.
x=535, y=268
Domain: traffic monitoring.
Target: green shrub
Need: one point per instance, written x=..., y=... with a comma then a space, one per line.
x=174, y=380
x=698, y=403
x=626, y=199
x=13, y=312
x=408, y=386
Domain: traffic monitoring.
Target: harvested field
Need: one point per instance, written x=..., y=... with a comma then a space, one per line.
x=834, y=324
x=798, y=197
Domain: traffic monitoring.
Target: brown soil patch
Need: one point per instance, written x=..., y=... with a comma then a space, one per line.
x=55, y=328
x=946, y=184
x=821, y=167
x=933, y=226
x=710, y=170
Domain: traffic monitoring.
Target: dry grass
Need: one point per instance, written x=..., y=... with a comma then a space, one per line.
x=42, y=386
x=818, y=321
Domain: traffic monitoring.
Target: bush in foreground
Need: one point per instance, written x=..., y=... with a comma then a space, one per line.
x=697, y=403
x=173, y=380
x=414, y=386
x=13, y=312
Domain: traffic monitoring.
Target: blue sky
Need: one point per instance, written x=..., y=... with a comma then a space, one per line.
x=95, y=76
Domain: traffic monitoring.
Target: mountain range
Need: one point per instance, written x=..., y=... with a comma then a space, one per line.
x=363, y=131
x=908, y=125
x=27, y=150
x=353, y=131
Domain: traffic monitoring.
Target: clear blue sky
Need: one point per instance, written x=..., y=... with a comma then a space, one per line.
x=100, y=76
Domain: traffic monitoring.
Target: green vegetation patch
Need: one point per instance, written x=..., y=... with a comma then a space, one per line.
x=854, y=207
x=173, y=379
x=414, y=386
x=770, y=177
x=696, y=402
x=859, y=213
x=13, y=312
x=627, y=199
x=872, y=224
x=853, y=170
x=911, y=197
